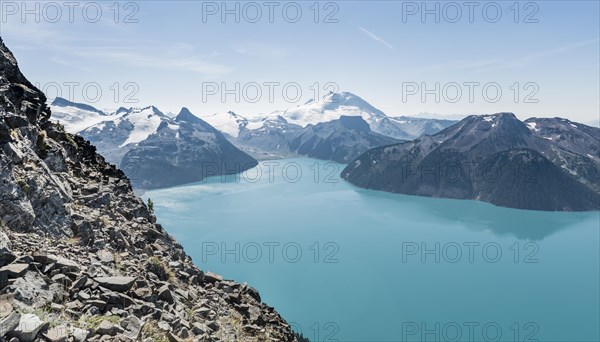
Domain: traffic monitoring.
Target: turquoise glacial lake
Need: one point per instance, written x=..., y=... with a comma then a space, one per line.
x=347, y=264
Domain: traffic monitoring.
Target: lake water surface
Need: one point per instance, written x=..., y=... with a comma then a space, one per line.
x=346, y=264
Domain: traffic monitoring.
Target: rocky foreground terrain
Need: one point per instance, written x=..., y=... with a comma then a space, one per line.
x=81, y=258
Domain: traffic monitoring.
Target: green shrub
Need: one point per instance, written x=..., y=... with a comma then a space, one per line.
x=150, y=206
x=157, y=267
x=42, y=146
x=24, y=187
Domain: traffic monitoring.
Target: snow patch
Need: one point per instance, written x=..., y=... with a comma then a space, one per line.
x=532, y=126
x=573, y=172
x=145, y=122
x=74, y=119
x=229, y=123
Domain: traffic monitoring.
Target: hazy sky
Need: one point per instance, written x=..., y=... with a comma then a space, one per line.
x=185, y=53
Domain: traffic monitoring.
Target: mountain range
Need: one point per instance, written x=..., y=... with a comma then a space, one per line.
x=338, y=127
x=155, y=150
x=494, y=158
x=331, y=107
x=540, y=164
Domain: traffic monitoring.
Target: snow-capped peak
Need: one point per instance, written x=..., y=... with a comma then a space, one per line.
x=145, y=121
x=75, y=117
x=121, y=110
x=229, y=123
x=331, y=107
x=64, y=103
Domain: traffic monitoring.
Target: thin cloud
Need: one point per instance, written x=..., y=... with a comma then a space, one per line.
x=376, y=38
x=166, y=61
x=498, y=64
x=76, y=50
x=528, y=60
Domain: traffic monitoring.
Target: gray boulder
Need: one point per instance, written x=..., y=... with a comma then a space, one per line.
x=28, y=328
x=119, y=284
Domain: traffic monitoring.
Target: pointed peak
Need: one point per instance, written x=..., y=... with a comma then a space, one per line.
x=62, y=102
x=156, y=110
x=186, y=115
x=122, y=110
x=185, y=111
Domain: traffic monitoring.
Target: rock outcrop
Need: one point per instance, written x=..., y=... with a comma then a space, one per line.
x=81, y=257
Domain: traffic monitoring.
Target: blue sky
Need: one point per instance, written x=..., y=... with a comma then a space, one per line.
x=178, y=50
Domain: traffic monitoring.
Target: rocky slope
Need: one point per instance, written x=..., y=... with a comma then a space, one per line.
x=575, y=147
x=492, y=158
x=153, y=149
x=80, y=255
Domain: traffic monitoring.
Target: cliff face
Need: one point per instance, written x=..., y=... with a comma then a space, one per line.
x=80, y=254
